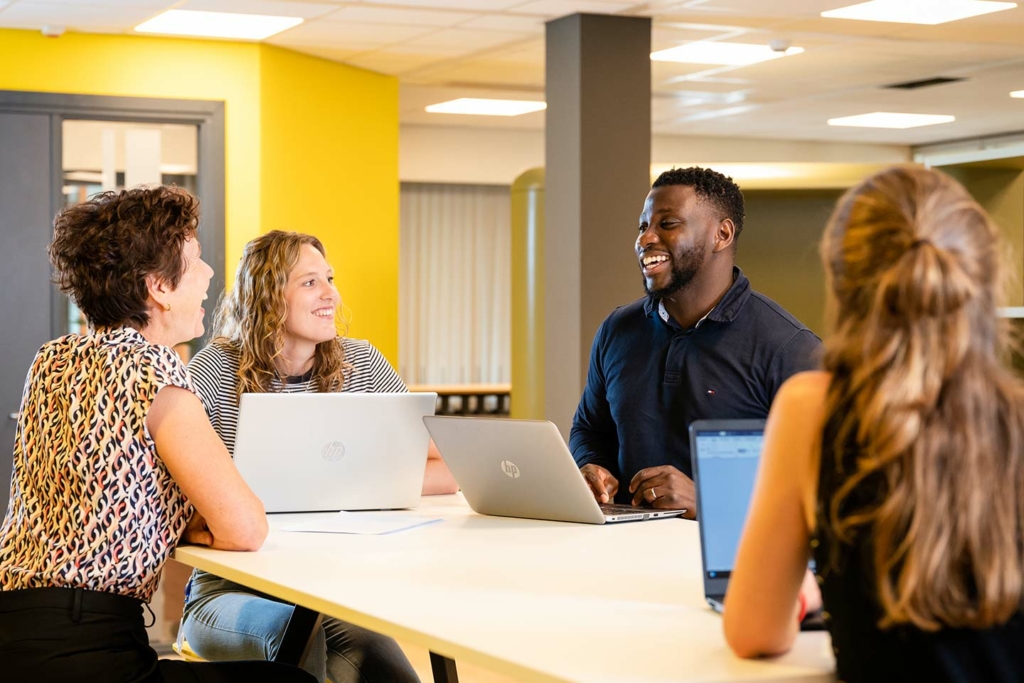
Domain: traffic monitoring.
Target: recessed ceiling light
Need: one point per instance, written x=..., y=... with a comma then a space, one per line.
x=483, y=107
x=1017, y=93
x=929, y=12
x=884, y=119
x=729, y=54
x=217, y=24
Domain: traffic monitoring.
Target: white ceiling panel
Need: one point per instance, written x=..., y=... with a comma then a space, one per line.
x=467, y=40
x=392, y=62
x=332, y=53
x=507, y=22
x=482, y=75
x=474, y=5
x=664, y=38
x=561, y=8
x=371, y=14
x=467, y=48
x=347, y=35
x=160, y=4
x=74, y=17
x=306, y=10
x=786, y=8
x=529, y=53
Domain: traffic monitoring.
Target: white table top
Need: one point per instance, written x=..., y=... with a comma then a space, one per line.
x=540, y=601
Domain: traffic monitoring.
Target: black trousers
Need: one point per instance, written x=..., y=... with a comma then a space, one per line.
x=69, y=634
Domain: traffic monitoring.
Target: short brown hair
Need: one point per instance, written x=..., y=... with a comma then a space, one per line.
x=104, y=248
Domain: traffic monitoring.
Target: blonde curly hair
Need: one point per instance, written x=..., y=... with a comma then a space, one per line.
x=251, y=317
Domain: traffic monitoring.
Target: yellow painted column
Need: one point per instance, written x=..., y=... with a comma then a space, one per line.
x=528, y=295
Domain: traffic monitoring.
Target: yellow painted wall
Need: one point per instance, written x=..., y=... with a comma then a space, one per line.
x=330, y=167
x=310, y=144
x=132, y=66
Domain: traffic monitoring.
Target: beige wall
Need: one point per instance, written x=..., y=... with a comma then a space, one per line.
x=778, y=249
x=1001, y=192
x=440, y=154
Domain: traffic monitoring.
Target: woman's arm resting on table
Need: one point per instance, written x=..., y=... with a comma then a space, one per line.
x=762, y=602
x=438, y=478
x=200, y=464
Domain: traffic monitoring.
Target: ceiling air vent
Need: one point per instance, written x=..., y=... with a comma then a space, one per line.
x=926, y=83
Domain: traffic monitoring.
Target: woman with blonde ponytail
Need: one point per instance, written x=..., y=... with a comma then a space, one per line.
x=900, y=466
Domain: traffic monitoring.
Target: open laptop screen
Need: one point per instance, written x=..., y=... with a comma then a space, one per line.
x=727, y=468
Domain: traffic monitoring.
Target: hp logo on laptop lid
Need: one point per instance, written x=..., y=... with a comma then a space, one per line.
x=510, y=469
x=333, y=451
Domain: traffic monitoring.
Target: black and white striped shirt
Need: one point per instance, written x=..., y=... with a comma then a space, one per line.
x=214, y=373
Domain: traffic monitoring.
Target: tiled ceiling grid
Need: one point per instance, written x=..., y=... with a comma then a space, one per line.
x=441, y=49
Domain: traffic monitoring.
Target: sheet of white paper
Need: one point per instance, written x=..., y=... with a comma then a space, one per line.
x=362, y=523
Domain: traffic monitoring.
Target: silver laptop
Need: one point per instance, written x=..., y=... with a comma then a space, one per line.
x=522, y=468
x=340, y=451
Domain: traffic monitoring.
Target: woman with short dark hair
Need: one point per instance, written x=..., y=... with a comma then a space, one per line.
x=114, y=458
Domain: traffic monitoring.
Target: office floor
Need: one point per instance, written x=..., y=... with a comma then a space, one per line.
x=420, y=659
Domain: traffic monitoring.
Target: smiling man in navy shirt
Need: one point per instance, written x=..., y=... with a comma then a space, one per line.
x=701, y=345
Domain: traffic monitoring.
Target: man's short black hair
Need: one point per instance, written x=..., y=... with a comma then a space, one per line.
x=711, y=186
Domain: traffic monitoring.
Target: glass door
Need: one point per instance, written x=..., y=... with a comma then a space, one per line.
x=114, y=155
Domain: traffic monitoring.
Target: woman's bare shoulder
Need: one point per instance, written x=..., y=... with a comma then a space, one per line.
x=810, y=386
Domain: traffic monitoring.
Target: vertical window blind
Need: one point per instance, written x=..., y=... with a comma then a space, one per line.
x=455, y=284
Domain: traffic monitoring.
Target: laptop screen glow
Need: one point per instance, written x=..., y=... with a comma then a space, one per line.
x=728, y=467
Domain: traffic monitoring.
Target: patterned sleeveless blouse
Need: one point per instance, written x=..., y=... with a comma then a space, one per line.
x=92, y=505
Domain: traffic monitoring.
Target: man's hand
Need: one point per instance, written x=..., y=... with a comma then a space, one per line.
x=601, y=482
x=664, y=487
x=197, y=532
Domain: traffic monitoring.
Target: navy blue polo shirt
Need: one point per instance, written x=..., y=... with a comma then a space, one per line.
x=649, y=378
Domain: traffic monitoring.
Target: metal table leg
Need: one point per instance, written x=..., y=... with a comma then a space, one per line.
x=443, y=669
x=298, y=636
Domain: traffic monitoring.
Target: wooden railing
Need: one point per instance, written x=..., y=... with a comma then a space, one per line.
x=470, y=399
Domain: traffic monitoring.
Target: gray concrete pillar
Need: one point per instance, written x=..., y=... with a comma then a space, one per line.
x=597, y=168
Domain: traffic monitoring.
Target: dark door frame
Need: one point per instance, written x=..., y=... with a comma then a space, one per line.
x=208, y=115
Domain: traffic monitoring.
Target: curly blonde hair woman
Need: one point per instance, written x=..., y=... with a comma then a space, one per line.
x=253, y=316
x=277, y=331
x=902, y=463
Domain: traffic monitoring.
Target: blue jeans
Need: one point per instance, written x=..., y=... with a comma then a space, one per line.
x=226, y=621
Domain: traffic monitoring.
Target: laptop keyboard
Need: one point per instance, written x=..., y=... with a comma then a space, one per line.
x=614, y=509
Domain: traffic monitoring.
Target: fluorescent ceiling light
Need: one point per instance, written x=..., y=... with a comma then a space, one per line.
x=1017, y=93
x=729, y=54
x=929, y=12
x=217, y=24
x=884, y=119
x=482, y=107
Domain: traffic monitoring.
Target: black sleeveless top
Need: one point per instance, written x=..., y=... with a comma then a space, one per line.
x=864, y=652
